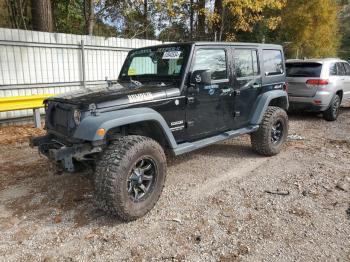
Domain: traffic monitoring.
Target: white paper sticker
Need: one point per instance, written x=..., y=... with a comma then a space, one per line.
x=140, y=97
x=172, y=55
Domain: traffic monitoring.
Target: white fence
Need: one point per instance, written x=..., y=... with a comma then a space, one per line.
x=52, y=63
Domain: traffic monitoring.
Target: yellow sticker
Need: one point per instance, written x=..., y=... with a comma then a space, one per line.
x=131, y=71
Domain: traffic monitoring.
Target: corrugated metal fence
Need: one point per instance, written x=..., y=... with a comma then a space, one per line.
x=51, y=63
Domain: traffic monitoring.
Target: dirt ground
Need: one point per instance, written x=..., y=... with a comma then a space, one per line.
x=222, y=203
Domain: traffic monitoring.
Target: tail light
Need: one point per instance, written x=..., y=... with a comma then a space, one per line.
x=317, y=82
x=285, y=87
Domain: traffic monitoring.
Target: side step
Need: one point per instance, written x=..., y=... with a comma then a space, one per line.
x=188, y=147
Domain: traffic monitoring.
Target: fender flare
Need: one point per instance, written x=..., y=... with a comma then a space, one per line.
x=263, y=102
x=108, y=120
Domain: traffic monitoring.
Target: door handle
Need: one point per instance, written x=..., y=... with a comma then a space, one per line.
x=256, y=85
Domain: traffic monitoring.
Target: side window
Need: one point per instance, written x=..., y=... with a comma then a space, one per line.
x=347, y=69
x=333, y=70
x=213, y=60
x=246, y=63
x=340, y=69
x=273, y=62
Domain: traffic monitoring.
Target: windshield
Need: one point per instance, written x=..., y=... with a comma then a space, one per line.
x=303, y=69
x=156, y=63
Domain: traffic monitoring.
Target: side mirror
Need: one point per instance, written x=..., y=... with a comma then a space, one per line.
x=201, y=77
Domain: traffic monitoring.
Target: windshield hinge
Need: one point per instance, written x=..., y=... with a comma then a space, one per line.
x=93, y=109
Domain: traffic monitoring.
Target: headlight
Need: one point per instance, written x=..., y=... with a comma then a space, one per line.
x=77, y=116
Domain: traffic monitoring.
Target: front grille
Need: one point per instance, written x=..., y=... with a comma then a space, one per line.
x=60, y=117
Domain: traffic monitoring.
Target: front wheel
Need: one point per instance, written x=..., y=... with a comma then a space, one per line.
x=331, y=114
x=130, y=177
x=272, y=133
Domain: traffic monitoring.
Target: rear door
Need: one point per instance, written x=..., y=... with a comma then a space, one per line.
x=298, y=73
x=248, y=82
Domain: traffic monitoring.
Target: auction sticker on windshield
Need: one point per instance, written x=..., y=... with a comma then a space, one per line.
x=172, y=55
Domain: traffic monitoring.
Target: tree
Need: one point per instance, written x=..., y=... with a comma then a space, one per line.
x=68, y=16
x=344, y=18
x=41, y=15
x=89, y=14
x=201, y=20
x=233, y=17
x=16, y=13
x=311, y=27
x=217, y=20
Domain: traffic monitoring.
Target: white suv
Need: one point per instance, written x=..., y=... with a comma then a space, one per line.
x=319, y=85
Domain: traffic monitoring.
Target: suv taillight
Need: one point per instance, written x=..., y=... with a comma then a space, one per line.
x=317, y=82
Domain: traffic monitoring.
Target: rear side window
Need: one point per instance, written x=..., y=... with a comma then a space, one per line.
x=303, y=69
x=340, y=69
x=347, y=69
x=333, y=70
x=273, y=62
x=246, y=63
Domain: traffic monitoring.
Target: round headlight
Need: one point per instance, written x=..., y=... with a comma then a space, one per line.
x=77, y=116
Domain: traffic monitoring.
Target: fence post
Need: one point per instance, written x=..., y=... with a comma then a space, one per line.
x=37, y=119
x=83, y=64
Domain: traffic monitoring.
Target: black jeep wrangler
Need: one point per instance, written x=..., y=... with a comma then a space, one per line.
x=174, y=99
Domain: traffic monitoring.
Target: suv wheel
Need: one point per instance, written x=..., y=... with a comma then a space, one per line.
x=130, y=177
x=272, y=133
x=331, y=114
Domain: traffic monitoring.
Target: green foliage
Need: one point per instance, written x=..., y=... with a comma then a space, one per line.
x=306, y=28
x=68, y=16
x=310, y=28
x=344, y=17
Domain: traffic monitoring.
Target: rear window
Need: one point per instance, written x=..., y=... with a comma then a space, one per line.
x=303, y=69
x=273, y=62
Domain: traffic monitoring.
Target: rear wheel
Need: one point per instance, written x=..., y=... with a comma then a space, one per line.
x=130, y=177
x=331, y=114
x=272, y=133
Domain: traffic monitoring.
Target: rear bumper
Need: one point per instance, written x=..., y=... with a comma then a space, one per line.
x=319, y=102
x=64, y=155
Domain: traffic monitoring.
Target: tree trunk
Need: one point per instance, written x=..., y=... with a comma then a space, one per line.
x=201, y=20
x=145, y=18
x=89, y=14
x=17, y=13
x=218, y=24
x=191, y=19
x=41, y=15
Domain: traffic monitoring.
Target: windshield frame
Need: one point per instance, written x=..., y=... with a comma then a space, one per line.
x=160, y=78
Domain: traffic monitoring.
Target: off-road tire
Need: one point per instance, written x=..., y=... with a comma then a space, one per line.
x=113, y=170
x=331, y=114
x=261, y=139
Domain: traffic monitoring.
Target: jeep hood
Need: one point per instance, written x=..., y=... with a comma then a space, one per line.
x=118, y=94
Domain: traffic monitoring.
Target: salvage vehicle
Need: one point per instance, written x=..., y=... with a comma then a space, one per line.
x=169, y=99
x=318, y=85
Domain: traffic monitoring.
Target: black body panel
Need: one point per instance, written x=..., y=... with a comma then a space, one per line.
x=192, y=110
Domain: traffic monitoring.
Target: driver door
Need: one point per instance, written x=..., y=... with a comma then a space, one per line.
x=205, y=102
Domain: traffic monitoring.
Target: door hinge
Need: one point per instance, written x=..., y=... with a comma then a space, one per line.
x=237, y=92
x=236, y=114
x=189, y=123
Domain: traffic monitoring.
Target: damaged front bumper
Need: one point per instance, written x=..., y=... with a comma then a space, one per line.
x=65, y=155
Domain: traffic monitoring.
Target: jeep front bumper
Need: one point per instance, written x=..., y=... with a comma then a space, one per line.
x=62, y=154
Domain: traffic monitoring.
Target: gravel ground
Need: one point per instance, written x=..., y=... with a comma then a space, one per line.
x=222, y=203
